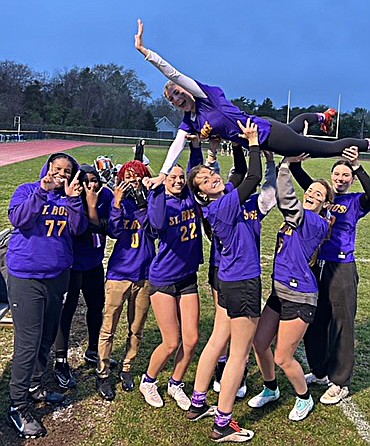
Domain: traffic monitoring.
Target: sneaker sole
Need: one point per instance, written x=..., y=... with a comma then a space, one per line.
x=209, y=413
x=235, y=438
x=259, y=405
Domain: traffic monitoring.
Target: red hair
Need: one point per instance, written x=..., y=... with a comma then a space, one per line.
x=134, y=166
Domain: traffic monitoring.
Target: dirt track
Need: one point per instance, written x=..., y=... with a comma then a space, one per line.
x=15, y=152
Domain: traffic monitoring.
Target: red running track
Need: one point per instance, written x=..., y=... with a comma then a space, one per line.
x=15, y=152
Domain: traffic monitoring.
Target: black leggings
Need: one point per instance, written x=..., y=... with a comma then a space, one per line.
x=286, y=140
x=91, y=283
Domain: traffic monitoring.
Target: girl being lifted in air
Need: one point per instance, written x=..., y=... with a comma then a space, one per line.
x=208, y=113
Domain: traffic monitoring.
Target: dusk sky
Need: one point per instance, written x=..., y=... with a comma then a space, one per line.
x=258, y=49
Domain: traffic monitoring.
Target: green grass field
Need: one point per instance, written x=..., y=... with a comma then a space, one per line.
x=87, y=420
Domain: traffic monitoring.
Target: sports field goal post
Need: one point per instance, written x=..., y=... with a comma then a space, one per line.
x=318, y=136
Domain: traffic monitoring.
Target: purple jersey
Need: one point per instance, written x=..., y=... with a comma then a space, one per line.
x=180, y=238
x=44, y=222
x=134, y=249
x=346, y=212
x=238, y=227
x=294, y=251
x=216, y=115
x=89, y=248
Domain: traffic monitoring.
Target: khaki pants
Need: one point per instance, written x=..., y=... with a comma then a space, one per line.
x=138, y=301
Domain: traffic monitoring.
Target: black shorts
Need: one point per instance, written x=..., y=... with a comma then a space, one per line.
x=185, y=286
x=213, y=277
x=241, y=298
x=289, y=310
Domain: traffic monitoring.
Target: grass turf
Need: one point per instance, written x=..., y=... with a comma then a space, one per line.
x=87, y=420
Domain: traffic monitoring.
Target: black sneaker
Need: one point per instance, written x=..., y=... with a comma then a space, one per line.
x=40, y=394
x=105, y=389
x=63, y=375
x=91, y=357
x=219, y=370
x=127, y=381
x=23, y=420
x=231, y=432
x=197, y=413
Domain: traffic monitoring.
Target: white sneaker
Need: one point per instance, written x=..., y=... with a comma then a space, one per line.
x=312, y=379
x=334, y=394
x=179, y=396
x=266, y=396
x=216, y=386
x=150, y=393
x=301, y=409
x=242, y=391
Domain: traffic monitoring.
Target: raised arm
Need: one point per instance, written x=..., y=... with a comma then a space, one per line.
x=287, y=200
x=267, y=196
x=254, y=176
x=164, y=67
x=351, y=154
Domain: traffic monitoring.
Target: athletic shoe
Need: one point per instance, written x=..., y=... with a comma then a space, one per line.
x=40, y=394
x=231, y=432
x=242, y=391
x=127, y=380
x=105, y=389
x=150, y=393
x=25, y=422
x=63, y=375
x=219, y=370
x=334, y=394
x=91, y=357
x=312, y=379
x=197, y=413
x=328, y=126
x=301, y=409
x=266, y=396
x=178, y=394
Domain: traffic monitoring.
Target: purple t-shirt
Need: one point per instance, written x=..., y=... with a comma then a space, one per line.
x=346, y=211
x=134, y=249
x=216, y=115
x=239, y=228
x=180, y=238
x=294, y=250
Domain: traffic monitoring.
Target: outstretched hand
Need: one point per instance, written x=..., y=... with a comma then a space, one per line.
x=139, y=41
x=351, y=154
x=250, y=132
x=297, y=159
x=153, y=183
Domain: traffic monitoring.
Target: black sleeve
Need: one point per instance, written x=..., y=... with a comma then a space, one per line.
x=365, y=183
x=240, y=166
x=254, y=177
x=302, y=177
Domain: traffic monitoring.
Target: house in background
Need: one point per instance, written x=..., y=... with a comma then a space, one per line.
x=165, y=127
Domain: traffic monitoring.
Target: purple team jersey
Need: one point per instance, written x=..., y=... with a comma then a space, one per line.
x=346, y=212
x=217, y=116
x=89, y=248
x=294, y=250
x=180, y=237
x=134, y=249
x=239, y=228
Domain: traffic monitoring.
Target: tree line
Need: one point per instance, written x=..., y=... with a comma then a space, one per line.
x=111, y=96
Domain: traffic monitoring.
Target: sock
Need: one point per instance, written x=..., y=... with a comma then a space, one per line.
x=149, y=379
x=173, y=382
x=222, y=358
x=198, y=399
x=61, y=355
x=321, y=118
x=305, y=396
x=222, y=419
x=272, y=385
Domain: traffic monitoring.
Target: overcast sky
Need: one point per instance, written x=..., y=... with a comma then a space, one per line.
x=258, y=49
